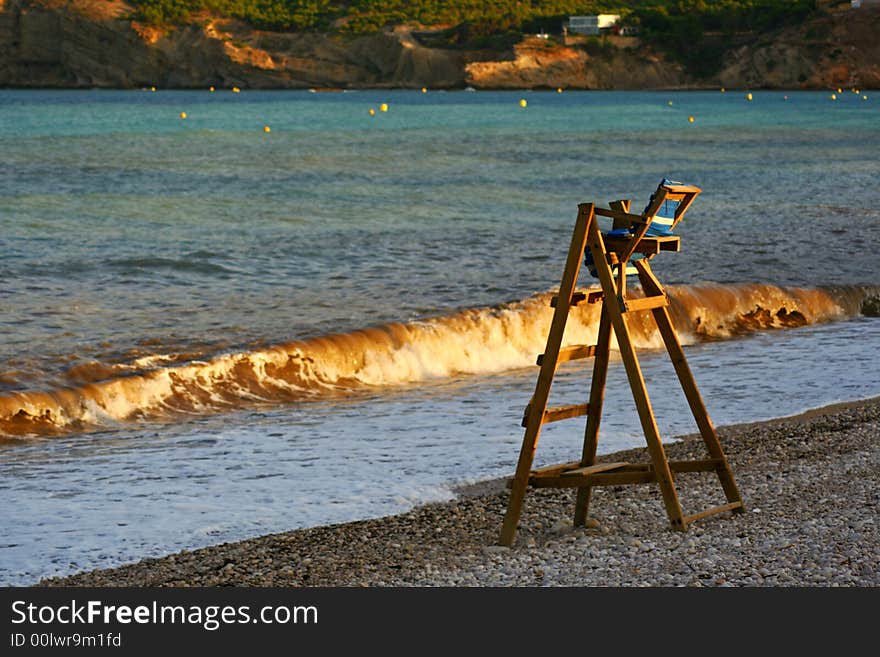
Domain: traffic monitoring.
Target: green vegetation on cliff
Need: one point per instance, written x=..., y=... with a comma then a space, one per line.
x=363, y=16
x=698, y=32
x=695, y=32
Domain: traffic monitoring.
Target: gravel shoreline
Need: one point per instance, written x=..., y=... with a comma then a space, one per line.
x=809, y=483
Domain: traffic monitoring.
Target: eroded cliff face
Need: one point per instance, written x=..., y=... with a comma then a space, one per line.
x=90, y=43
x=620, y=63
x=839, y=49
x=94, y=43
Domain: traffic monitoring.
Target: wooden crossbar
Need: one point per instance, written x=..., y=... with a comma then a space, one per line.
x=647, y=246
x=575, y=352
x=593, y=469
x=682, y=189
x=733, y=506
x=611, y=259
x=579, y=297
x=565, y=412
x=646, y=303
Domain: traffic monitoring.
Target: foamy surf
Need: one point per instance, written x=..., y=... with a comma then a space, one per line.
x=470, y=342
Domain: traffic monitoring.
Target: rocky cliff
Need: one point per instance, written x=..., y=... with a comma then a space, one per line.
x=612, y=63
x=95, y=43
x=838, y=49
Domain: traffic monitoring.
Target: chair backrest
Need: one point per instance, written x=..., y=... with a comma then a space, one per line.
x=676, y=199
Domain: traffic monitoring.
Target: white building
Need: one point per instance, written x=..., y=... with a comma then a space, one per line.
x=592, y=24
x=864, y=3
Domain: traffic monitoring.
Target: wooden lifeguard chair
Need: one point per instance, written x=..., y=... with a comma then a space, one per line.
x=627, y=248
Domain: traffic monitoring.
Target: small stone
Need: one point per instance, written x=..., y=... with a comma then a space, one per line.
x=561, y=527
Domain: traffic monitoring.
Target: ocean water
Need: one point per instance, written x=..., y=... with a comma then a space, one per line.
x=211, y=332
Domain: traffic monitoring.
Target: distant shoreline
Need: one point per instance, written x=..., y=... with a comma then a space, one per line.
x=86, y=44
x=806, y=480
x=553, y=90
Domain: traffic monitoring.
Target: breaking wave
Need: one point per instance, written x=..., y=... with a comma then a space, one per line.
x=475, y=341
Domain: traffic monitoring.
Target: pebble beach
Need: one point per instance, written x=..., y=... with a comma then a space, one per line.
x=809, y=484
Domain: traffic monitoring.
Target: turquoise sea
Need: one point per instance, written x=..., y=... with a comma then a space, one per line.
x=211, y=331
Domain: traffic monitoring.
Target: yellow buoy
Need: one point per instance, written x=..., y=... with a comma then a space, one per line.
x=833, y=96
x=235, y=90
x=211, y=89
x=522, y=102
x=723, y=90
x=748, y=96
x=152, y=88
x=183, y=115
x=267, y=128
x=424, y=90
x=669, y=102
x=864, y=98
x=690, y=119
x=383, y=107
x=839, y=90
x=559, y=90
x=372, y=112
x=785, y=98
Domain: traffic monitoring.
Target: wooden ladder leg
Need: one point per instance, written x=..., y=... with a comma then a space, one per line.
x=548, y=368
x=637, y=384
x=651, y=285
x=594, y=416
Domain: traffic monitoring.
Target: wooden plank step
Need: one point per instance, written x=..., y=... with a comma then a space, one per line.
x=622, y=478
x=613, y=478
x=564, y=412
x=579, y=297
x=575, y=352
x=702, y=465
x=711, y=512
x=592, y=469
x=549, y=470
x=576, y=298
x=645, y=303
x=556, y=413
